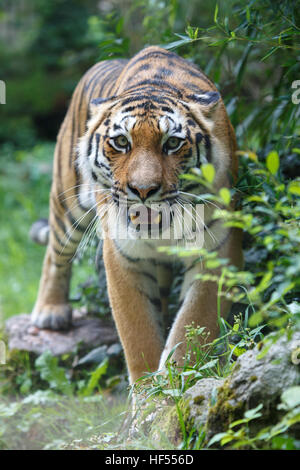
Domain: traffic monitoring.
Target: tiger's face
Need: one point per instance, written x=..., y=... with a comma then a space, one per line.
x=135, y=151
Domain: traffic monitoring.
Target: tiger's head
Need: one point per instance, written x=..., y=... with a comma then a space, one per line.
x=137, y=146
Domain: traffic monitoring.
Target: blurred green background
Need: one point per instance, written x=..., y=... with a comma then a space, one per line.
x=249, y=48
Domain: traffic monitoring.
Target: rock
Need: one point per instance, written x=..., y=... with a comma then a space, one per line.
x=95, y=356
x=89, y=332
x=255, y=378
x=259, y=376
x=199, y=398
x=114, y=350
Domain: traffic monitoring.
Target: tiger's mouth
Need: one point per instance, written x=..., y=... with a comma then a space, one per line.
x=142, y=218
x=144, y=215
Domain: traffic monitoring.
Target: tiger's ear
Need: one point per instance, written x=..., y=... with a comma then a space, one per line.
x=207, y=102
x=204, y=106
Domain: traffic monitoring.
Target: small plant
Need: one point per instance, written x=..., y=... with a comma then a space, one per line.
x=240, y=433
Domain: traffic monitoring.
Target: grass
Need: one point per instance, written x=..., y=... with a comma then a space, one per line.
x=45, y=420
x=25, y=180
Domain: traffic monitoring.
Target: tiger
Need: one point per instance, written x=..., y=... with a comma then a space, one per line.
x=132, y=129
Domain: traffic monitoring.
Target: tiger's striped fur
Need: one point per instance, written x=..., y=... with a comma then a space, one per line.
x=149, y=99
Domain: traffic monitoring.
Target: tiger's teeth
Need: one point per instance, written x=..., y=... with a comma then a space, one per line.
x=133, y=218
x=157, y=219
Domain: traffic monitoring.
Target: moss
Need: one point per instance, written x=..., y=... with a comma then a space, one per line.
x=236, y=367
x=167, y=423
x=260, y=345
x=199, y=399
x=225, y=411
x=253, y=378
x=184, y=406
x=151, y=407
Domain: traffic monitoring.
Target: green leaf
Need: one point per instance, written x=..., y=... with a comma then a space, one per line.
x=212, y=263
x=291, y=397
x=273, y=162
x=294, y=188
x=216, y=438
x=236, y=350
x=208, y=171
x=173, y=392
x=254, y=412
x=209, y=364
x=227, y=439
x=48, y=367
x=95, y=377
x=225, y=195
x=216, y=13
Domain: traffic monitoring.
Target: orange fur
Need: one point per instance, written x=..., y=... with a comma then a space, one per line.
x=149, y=99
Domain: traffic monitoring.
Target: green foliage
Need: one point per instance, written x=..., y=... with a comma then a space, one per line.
x=47, y=366
x=45, y=420
x=240, y=433
x=269, y=216
x=25, y=180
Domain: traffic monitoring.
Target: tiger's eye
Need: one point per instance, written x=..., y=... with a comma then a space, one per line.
x=173, y=142
x=121, y=141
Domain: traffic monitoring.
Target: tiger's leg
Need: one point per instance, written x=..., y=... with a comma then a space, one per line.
x=52, y=309
x=164, y=280
x=68, y=220
x=134, y=312
x=200, y=303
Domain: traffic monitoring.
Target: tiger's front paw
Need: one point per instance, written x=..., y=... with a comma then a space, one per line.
x=55, y=317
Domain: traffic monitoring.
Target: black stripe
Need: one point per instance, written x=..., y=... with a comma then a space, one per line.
x=149, y=55
x=191, y=186
x=210, y=97
x=207, y=147
x=164, y=291
x=60, y=265
x=104, y=80
x=131, y=259
x=59, y=240
x=173, y=191
x=142, y=97
x=167, y=109
x=164, y=71
x=90, y=145
x=160, y=84
x=148, y=275
x=97, y=148
x=143, y=67
x=199, y=137
x=62, y=253
x=77, y=227
x=101, y=67
x=154, y=301
x=216, y=248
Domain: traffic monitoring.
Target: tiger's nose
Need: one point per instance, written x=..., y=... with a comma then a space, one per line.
x=144, y=192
